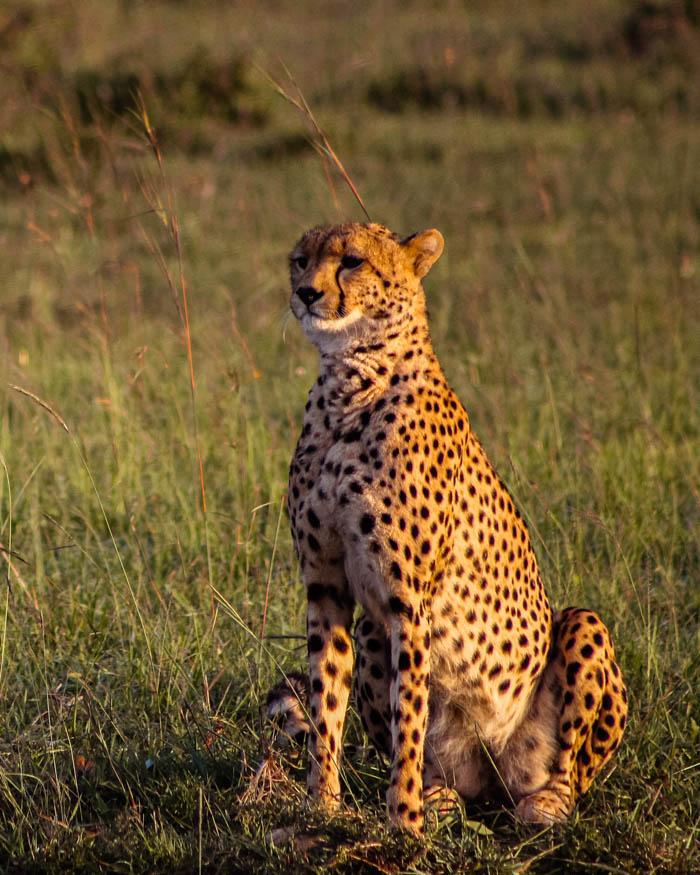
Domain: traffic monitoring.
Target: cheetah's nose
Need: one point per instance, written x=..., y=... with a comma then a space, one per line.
x=308, y=295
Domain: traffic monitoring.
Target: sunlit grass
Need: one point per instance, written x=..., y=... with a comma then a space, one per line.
x=132, y=667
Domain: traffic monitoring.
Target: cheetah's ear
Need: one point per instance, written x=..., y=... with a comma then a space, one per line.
x=424, y=249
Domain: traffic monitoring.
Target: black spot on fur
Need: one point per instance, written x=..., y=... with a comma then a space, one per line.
x=571, y=671
x=366, y=523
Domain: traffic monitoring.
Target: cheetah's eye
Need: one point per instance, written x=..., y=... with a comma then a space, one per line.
x=350, y=262
x=301, y=261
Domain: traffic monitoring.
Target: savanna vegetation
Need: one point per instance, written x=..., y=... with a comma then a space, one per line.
x=152, y=180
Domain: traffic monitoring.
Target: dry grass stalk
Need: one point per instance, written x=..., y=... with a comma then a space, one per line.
x=269, y=779
x=180, y=293
x=319, y=140
x=170, y=220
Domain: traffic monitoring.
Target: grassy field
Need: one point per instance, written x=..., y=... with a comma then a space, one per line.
x=148, y=602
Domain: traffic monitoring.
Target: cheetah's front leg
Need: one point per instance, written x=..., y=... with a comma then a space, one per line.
x=410, y=665
x=329, y=616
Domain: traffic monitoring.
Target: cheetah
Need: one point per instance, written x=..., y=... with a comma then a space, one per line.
x=463, y=676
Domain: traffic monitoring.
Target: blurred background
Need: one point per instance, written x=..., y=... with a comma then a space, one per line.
x=152, y=180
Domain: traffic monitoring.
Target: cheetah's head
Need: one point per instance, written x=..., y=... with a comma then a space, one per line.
x=358, y=281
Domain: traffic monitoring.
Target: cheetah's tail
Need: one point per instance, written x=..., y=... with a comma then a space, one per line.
x=286, y=710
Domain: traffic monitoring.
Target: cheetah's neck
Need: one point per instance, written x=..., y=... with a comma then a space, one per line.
x=363, y=372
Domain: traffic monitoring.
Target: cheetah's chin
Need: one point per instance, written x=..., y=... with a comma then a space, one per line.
x=317, y=324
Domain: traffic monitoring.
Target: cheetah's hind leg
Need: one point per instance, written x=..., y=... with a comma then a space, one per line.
x=592, y=713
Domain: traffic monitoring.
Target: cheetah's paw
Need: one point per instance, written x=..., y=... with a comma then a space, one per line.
x=443, y=806
x=545, y=807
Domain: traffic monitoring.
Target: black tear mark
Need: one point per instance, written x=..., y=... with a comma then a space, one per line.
x=340, y=312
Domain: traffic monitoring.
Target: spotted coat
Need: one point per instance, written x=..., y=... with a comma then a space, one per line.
x=463, y=677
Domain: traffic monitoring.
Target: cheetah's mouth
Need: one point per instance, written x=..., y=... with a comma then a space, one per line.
x=330, y=324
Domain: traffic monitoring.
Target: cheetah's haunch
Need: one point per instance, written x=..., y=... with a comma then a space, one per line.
x=394, y=507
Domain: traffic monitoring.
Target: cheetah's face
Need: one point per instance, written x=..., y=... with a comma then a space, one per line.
x=354, y=281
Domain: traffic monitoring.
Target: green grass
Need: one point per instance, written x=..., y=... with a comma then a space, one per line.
x=558, y=149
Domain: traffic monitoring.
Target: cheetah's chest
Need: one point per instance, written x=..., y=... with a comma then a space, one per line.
x=335, y=510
